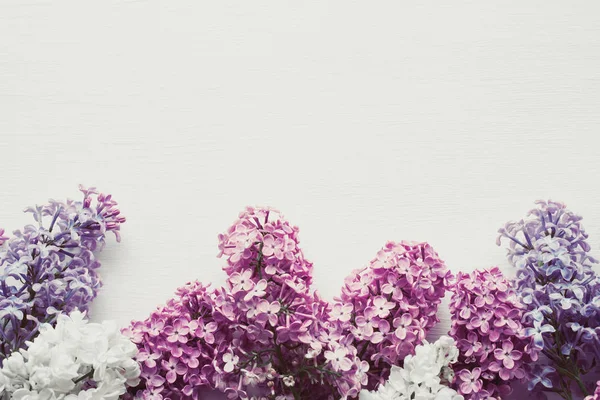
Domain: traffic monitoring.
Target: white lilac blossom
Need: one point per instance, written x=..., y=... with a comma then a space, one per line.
x=424, y=376
x=75, y=360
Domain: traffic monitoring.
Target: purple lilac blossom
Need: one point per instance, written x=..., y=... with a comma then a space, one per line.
x=389, y=306
x=284, y=342
x=50, y=267
x=177, y=345
x=561, y=292
x=486, y=324
x=275, y=339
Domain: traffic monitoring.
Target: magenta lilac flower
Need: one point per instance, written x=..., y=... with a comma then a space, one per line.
x=556, y=282
x=388, y=306
x=264, y=335
x=284, y=343
x=177, y=345
x=486, y=324
x=50, y=267
x=262, y=243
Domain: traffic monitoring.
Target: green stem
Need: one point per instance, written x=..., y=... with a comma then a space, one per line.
x=84, y=377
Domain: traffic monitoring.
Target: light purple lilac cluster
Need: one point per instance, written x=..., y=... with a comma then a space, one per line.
x=272, y=338
x=389, y=306
x=556, y=282
x=50, y=267
x=486, y=324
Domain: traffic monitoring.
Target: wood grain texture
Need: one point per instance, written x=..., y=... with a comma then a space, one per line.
x=361, y=122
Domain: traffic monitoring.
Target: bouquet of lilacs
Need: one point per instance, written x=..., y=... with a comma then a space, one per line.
x=267, y=335
x=389, y=306
x=426, y=375
x=48, y=277
x=486, y=323
x=264, y=335
x=74, y=360
x=561, y=293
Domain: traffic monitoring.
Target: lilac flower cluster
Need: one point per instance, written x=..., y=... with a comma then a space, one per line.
x=388, y=306
x=486, y=324
x=284, y=344
x=177, y=344
x=556, y=282
x=264, y=335
x=50, y=267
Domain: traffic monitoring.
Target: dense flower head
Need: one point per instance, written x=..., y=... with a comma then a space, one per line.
x=51, y=267
x=389, y=306
x=549, y=245
x=283, y=345
x=556, y=282
x=283, y=341
x=424, y=375
x=177, y=345
x=263, y=242
x=263, y=335
x=75, y=360
x=486, y=324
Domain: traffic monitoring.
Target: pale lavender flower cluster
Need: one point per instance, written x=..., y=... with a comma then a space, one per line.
x=177, y=345
x=264, y=335
x=556, y=282
x=486, y=324
x=50, y=267
x=388, y=306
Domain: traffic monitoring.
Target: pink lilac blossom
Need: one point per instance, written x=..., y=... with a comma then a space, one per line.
x=285, y=342
x=262, y=243
x=263, y=335
x=51, y=267
x=177, y=344
x=561, y=292
x=389, y=306
x=486, y=324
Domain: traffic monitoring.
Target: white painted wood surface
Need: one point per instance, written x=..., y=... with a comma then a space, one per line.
x=363, y=122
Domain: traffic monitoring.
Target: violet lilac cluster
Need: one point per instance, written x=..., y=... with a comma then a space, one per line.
x=389, y=306
x=486, y=324
x=556, y=282
x=50, y=267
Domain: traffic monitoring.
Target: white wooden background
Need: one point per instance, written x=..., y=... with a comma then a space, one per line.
x=363, y=122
